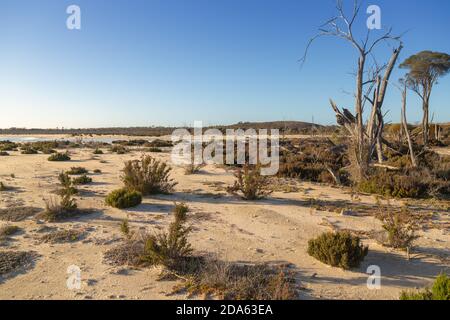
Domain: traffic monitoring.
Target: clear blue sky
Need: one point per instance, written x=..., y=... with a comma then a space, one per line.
x=170, y=62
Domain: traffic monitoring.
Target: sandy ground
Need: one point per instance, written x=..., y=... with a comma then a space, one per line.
x=276, y=229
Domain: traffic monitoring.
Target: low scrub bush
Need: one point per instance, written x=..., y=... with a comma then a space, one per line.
x=250, y=184
x=8, y=146
x=8, y=230
x=148, y=176
x=59, y=157
x=4, y=154
x=158, y=143
x=232, y=281
x=155, y=149
x=28, y=150
x=339, y=249
x=11, y=261
x=439, y=291
x=15, y=214
x=401, y=228
x=119, y=149
x=62, y=236
x=394, y=184
x=84, y=179
x=57, y=211
x=98, y=151
x=172, y=247
x=77, y=171
x=124, y=198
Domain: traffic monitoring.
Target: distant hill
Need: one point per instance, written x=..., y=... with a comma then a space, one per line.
x=283, y=126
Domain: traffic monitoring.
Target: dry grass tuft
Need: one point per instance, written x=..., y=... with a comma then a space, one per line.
x=62, y=236
x=11, y=261
x=15, y=214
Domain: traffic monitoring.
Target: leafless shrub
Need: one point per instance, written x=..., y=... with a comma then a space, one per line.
x=250, y=183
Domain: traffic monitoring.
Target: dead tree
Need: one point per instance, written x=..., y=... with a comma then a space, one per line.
x=365, y=138
x=405, y=128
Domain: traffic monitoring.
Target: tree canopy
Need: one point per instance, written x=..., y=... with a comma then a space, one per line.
x=425, y=68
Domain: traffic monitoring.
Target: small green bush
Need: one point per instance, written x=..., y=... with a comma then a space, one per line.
x=4, y=154
x=98, y=151
x=77, y=171
x=97, y=171
x=439, y=291
x=84, y=179
x=339, y=249
x=170, y=248
x=154, y=149
x=59, y=157
x=123, y=198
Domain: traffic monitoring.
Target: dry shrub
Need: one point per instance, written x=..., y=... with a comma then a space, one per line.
x=4, y=187
x=7, y=231
x=192, y=168
x=313, y=161
x=119, y=149
x=401, y=227
x=232, y=281
x=11, y=261
x=339, y=249
x=250, y=184
x=148, y=176
x=62, y=236
x=439, y=291
x=15, y=214
x=59, y=157
x=170, y=249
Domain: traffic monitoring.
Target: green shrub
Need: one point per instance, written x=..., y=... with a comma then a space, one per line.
x=59, y=157
x=77, y=171
x=339, y=249
x=67, y=185
x=250, y=183
x=4, y=154
x=394, y=185
x=123, y=198
x=84, y=179
x=154, y=149
x=439, y=291
x=172, y=247
x=98, y=151
x=97, y=171
x=148, y=176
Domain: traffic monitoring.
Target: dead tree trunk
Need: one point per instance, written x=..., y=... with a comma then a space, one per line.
x=405, y=128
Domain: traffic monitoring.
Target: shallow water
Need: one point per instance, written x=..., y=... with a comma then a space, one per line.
x=23, y=139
